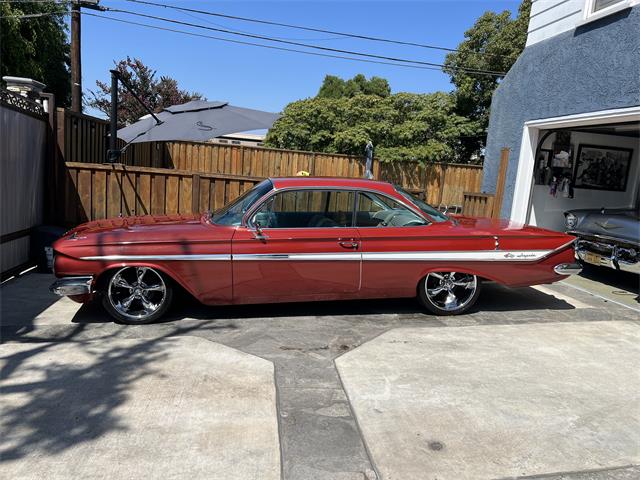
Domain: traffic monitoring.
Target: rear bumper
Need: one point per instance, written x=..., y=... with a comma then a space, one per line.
x=72, y=286
x=567, y=269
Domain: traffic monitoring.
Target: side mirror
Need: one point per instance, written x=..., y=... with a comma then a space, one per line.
x=259, y=234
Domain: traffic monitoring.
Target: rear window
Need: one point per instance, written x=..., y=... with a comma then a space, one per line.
x=433, y=213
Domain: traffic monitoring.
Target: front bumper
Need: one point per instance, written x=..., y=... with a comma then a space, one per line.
x=72, y=286
x=567, y=269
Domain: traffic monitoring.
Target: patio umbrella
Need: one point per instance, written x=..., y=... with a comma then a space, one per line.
x=197, y=121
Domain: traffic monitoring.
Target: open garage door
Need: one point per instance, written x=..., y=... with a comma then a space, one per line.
x=585, y=168
x=581, y=174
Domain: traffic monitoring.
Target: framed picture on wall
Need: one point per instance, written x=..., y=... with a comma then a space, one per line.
x=562, y=151
x=602, y=168
x=543, y=166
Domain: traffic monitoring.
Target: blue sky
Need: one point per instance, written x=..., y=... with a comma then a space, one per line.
x=266, y=79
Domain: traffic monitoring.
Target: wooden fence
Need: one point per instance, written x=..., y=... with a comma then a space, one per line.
x=94, y=191
x=84, y=139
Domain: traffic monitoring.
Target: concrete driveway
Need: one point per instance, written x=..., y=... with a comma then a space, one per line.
x=326, y=422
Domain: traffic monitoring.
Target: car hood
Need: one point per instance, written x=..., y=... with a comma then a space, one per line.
x=621, y=223
x=136, y=223
x=147, y=229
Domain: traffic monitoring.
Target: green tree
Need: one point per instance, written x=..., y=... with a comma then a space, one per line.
x=156, y=93
x=336, y=87
x=494, y=43
x=36, y=47
x=403, y=126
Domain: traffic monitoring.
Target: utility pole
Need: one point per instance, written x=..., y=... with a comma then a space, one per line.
x=76, y=61
x=76, y=51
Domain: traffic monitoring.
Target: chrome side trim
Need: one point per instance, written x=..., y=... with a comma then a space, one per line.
x=215, y=257
x=473, y=256
x=567, y=269
x=349, y=257
x=478, y=256
x=72, y=286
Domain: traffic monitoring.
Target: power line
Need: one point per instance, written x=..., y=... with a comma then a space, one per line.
x=307, y=45
x=273, y=47
x=300, y=27
x=34, y=15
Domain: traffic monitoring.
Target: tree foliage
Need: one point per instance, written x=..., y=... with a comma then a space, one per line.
x=36, y=47
x=403, y=126
x=157, y=93
x=493, y=43
x=336, y=87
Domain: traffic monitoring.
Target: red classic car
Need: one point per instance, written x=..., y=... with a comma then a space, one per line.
x=304, y=239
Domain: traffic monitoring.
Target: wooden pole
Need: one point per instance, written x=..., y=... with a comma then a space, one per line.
x=500, y=184
x=76, y=63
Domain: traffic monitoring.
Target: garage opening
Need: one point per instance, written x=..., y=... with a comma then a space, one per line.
x=584, y=167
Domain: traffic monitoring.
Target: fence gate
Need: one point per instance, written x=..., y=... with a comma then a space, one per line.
x=24, y=129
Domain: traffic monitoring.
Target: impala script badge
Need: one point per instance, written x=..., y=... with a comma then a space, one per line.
x=203, y=126
x=520, y=255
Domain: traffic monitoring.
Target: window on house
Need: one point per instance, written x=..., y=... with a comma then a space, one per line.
x=602, y=4
x=307, y=209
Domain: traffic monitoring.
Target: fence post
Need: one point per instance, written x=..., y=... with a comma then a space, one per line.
x=195, y=193
x=500, y=184
x=443, y=179
x=312, y=165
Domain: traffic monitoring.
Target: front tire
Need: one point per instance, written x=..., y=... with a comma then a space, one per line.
x=137, y=295
x=449, y=293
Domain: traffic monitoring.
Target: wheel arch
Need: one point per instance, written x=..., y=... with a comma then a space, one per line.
x=105, y=272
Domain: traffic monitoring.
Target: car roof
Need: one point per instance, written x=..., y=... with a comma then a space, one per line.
x=288, y=182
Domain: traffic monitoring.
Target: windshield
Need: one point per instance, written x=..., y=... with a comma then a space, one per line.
x=434, y=214
x=232, y=214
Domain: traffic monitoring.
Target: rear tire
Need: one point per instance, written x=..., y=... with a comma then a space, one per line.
x=449, y=293
x=137, y=295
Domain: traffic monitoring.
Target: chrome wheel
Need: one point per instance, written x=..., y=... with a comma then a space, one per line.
x=137, y=293
x=450, y=291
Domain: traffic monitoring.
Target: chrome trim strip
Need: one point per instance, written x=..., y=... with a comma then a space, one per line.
x=72, y=286
x=349, y=257
x=473, y=256
x=478, y=256
x=214, y=257
x=567, y=269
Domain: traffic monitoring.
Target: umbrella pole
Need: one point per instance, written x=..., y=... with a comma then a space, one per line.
x=113, y=154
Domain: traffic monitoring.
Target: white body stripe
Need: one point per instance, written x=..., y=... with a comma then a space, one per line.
x=300, y=256
x=474, y=256
x=219, y=258
x=435, y=256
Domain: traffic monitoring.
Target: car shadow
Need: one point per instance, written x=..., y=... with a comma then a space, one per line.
x=498, y=298
x=494, y=298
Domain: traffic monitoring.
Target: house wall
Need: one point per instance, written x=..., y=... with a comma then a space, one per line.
x=547, y=210
x=589, y=69
x=551, y=17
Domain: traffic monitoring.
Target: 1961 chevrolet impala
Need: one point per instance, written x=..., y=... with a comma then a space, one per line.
x=304, y=239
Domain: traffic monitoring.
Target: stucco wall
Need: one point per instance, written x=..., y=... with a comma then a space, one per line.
x=592, y=68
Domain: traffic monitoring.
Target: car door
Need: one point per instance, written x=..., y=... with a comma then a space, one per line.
x=300, y=244
x=393, y=237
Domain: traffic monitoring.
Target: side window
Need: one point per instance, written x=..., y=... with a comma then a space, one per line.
x=307, y=209
x=380, y=211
